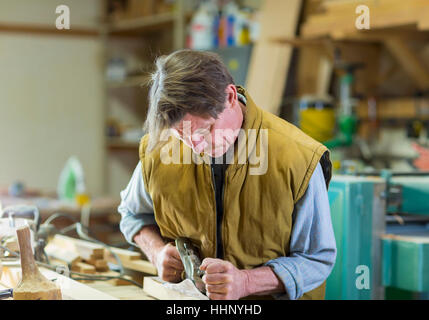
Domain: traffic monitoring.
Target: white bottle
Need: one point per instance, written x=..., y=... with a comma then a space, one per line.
x=202, y=27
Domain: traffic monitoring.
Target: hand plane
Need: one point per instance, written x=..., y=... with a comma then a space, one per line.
x=189, y=254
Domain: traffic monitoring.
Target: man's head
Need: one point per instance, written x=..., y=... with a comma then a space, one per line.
x=193, y=95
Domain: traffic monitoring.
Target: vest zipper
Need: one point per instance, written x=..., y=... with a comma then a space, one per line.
x=218, y=216
x=214, y=197
x=223, y=213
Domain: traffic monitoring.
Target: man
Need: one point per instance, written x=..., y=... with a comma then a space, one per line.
x=253, y=198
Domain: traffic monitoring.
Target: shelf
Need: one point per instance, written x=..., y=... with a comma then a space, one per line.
x=142, y=25
x=136, y=81
x=119, y=144
x=47, y=30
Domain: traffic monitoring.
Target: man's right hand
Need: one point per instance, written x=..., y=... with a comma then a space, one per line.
x=164, y=257
x=169, y=264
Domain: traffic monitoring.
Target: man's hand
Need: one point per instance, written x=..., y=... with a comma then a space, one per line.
x=169, y=264
x=223, y=280
x=164, y=257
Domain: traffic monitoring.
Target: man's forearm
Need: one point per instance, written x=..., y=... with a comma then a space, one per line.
x=262, y=281
x=150, y=241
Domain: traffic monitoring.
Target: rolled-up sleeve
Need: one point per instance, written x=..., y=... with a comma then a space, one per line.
x=312, y=245
x=136, y=206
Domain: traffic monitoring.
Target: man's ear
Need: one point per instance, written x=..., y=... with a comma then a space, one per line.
x=231, y=96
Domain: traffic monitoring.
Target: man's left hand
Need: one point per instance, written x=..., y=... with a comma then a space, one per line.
x=223, y=280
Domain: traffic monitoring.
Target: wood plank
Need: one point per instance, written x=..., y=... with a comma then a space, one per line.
x=69, y=257
x=269, y=63
x=124, y=254
x=120, y=144
x=99, y=264
x=86, y=250
x=409, y=61
x=398, y=108
x=46, y=30
x=140, y=265
x=83, y=267
x=154, y=287
x=116, y=282
x=341, y=16
x=125, y=292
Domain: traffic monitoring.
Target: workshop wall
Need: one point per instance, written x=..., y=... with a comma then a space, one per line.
x=51, y=97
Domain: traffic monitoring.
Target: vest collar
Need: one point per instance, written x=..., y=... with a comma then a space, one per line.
x=252, y=121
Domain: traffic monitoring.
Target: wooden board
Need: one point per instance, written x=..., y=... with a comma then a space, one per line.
x=410, y=61
x=140, y=265
x=123, y=254
x=270, y=60
x=154, y=287
x=398, y=108
x=69, y=257
x=125, y=292
x=83, y=268
x=340, y=16
x=86, y=250
x=99, y=264
x=91, y=251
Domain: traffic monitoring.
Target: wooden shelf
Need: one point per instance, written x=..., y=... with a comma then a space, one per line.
x=46, y=30
x=136, y=81
x=119, y=144
x=141, y=25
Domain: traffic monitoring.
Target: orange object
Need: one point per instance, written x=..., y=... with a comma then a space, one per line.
x=82, y=199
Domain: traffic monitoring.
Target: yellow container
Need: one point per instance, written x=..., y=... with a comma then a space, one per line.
x=318, y=123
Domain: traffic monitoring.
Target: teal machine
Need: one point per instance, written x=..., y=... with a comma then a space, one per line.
x=381, y=226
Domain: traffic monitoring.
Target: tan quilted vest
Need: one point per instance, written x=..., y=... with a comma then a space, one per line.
x=257, y=218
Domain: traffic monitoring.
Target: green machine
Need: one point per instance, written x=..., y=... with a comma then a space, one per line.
x=381, y=226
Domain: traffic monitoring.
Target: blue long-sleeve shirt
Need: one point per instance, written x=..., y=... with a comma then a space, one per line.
x=312, y=245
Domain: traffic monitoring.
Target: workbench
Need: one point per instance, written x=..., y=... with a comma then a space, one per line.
x=74, y=290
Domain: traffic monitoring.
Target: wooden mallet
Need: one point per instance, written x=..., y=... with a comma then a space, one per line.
x=33, y=285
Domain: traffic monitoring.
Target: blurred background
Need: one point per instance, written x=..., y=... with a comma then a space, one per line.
x=72, y=105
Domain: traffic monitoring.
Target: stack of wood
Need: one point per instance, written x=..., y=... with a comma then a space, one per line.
x=92, y=258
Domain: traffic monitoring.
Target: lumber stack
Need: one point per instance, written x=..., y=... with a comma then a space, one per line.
x=83, y=256
x=92, y=258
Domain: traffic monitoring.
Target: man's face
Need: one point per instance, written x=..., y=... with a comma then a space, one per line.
x=209, y=135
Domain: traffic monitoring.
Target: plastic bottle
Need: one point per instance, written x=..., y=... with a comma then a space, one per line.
x=230, y=25
x=202, y=35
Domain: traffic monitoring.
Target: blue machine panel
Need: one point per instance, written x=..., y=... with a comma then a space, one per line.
x=358, y=220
